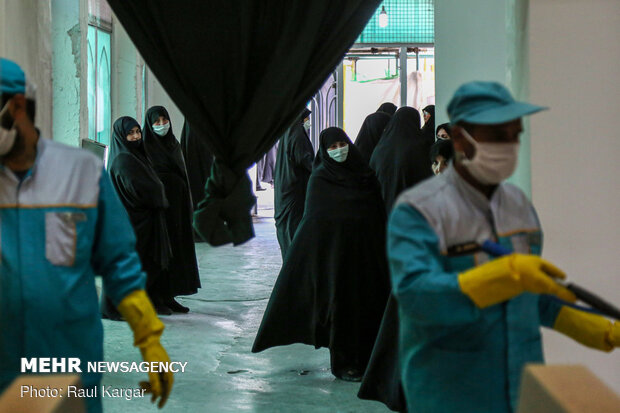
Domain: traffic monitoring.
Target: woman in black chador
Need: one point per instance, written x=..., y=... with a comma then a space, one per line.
x=144, y=198
x=401, y=158
x=428, y=130
x=164, y=153
x=292, y=171
x=334, y=283
x=370, y=133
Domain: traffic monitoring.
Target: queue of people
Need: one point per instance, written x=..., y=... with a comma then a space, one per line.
x=383, y=263
x=451, y=324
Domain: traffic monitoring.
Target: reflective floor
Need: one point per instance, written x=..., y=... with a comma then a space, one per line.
x=215, y=340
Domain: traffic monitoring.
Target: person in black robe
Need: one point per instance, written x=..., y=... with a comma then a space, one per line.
x=164, y=153
x=441, y=154
x=388, y=108
x=370, y=133
x=443, y=131
x=401, y=158
x=382, y=379
x=198, y=161
x=428, y=130
x=292, y=171
x=334, y=283
x=144, y=198
x=265, y=168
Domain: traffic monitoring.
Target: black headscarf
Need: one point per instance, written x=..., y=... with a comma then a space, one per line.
x=334, y=283
x=119, y=143
x=292, y=170
x=442, y=147
x=446, y=127
x=428, y=130
x=164, y=152
x=401, y=157
x=388, y=108
x=353, y=171
x=370, y=133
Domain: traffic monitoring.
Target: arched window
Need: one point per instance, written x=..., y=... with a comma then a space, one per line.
x=99, y=82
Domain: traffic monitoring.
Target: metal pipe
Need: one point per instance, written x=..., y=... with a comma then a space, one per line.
x=403, y=76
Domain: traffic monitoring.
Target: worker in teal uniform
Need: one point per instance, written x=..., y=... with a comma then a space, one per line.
x=469, y=322
x=60, y=224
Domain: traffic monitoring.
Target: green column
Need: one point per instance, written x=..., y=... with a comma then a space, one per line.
x=483, y=40
x=69, y=75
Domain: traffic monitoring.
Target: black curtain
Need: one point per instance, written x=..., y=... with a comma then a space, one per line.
x=241, y=72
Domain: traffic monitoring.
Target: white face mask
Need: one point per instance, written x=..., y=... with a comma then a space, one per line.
x=161, y=130
x=339, y=154
x=307, y=125
x=7, y=136
x=493, y=162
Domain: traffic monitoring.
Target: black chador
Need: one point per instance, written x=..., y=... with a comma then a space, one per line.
x=198, y=161
x=428, y=130
x=382, y=380
x=292, y=171
x=401, y=158
x=387, y=107
x=334, y=283
x=165, y=155
x=143, y=196
x=370, y=133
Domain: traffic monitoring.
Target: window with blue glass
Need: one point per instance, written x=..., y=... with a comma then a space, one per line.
x=99, y=82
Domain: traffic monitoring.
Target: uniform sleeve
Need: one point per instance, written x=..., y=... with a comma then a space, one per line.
x=425, y=292
x=548, y=309
x=114, y=255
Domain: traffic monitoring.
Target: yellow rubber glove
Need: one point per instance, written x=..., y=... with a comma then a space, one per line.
x=589, y=329
x=506, y=277
x=137, y=309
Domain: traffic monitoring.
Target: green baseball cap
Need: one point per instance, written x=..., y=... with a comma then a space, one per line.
x=487, y=103
x=12, y=78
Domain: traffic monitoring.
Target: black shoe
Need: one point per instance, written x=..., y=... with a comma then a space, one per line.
x=351, y=375
x=162, y=309
x=260, y=188
x=177, y=307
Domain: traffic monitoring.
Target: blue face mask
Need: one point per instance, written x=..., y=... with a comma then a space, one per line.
x=339, y=154
x=161, y=130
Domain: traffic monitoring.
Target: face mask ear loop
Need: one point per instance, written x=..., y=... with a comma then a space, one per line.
x=461, y=155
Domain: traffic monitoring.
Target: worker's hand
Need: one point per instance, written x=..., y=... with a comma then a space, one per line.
x=589, y=329
x=159, y=384
x=137, y=309
x=504, y=278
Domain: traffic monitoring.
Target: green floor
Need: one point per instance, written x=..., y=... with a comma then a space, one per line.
x=215, y=339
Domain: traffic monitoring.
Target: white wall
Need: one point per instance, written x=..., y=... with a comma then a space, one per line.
x=25, y=29
x=575, y=69
x=126, y=75
x=157, y=96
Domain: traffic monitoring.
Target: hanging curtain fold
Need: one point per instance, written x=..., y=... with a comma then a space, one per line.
x=241, y=72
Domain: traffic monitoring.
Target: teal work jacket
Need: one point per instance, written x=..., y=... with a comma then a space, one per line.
x=455, y=357
x=59, y=226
